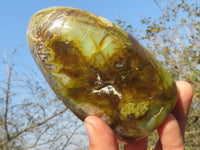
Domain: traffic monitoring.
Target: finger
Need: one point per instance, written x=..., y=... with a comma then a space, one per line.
x=101, y=136
x=170, y=135
x=137, y=145
x=185, y=93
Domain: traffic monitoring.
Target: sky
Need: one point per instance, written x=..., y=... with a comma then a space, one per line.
x=15, y=16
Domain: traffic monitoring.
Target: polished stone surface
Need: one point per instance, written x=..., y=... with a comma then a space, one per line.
x=97, y=68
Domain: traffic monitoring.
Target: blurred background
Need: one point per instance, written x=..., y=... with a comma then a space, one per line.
x=31, y=117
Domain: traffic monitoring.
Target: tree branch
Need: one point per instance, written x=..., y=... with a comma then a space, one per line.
x=33, y=126
x=70, y=137
x=6, y=133
x=192, y=132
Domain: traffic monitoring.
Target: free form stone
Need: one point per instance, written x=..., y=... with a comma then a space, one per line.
x=97, y=68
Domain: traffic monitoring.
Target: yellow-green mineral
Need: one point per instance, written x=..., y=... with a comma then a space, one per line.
x=97, y=68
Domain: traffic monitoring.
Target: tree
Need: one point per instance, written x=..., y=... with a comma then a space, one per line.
x=33, y=118
x=31, y=115
x=174, y=39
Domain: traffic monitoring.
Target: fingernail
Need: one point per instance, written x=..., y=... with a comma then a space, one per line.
x=90, y=131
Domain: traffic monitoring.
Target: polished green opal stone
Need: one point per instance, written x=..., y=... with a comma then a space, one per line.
x=97, y=68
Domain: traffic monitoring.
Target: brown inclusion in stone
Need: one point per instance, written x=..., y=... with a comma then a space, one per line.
x=97, y=68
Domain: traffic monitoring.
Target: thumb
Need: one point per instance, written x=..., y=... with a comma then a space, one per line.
x=101, y=136
x=170, y=135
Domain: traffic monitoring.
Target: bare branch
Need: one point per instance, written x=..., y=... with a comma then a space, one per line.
x=6, y=133
x=70, y=137
x=192, y=132
x=33, y=126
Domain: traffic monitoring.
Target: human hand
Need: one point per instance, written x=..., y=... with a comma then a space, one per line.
x=171, y=131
